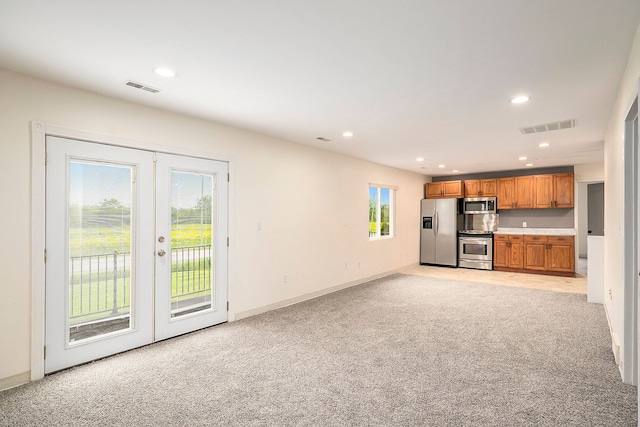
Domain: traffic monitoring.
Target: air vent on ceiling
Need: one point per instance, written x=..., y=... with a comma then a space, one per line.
x=142, y=87
x=322, y=138
x=566, y=124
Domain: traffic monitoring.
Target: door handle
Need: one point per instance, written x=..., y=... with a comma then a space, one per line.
x=161, y=252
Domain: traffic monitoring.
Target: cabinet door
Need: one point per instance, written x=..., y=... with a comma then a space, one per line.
x=516, y=244
x=433, y=190
x=543, y=191
x=488, y=187
x=506, y=193
x=471, y=188
x=500, y=251
x=535, y=252
x=524, y=192
x=561, y=253
x=452, y=188
x=563, y=190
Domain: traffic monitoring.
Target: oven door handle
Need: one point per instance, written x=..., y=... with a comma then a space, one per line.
x=475, y=241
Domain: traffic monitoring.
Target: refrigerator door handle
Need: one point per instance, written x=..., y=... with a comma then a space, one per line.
x=437, y=221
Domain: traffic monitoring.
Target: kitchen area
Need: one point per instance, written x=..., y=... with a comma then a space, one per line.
x=512, y=221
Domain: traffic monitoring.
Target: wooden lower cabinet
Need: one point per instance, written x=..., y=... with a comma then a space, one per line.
x=553, y=255
x=561, y=254
x=535, y=253
x=507, y=251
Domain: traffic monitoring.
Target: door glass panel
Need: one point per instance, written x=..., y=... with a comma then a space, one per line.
x=193, y=210
x=100, y=204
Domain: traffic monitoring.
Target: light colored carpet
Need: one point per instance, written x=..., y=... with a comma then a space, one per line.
x=405, y=350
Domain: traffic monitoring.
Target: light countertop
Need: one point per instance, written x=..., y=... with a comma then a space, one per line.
x=538, y=231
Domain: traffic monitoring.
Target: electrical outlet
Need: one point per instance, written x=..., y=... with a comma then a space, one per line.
x=524, y=224
x=259, y=225
x=358, y=264
x=345, y=265
x=285, y=279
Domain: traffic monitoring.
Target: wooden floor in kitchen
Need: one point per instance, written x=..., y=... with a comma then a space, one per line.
x=576, y=284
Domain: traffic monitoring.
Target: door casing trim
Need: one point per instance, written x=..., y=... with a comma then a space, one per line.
x=39, y=131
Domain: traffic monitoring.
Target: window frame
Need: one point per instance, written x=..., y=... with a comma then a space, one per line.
x=392, y=198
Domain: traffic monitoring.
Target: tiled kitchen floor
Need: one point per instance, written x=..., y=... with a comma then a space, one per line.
x=535, y=281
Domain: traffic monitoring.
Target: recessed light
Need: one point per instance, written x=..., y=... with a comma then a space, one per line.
x=543, y=144
x=347, y=134
x=420, y=159
x=529, y=165
x=440, y=166
x=522, y=158
x=519, y=99
x=455, y=171
x=164, y=72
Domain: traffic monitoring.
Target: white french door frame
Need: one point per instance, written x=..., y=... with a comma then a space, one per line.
x=39, y=131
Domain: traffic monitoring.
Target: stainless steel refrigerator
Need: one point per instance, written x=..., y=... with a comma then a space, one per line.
x=439, y=233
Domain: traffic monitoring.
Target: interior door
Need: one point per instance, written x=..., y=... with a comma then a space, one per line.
x=595, y=209
x=136, y=248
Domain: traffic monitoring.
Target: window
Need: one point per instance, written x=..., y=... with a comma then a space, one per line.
x=380, y=212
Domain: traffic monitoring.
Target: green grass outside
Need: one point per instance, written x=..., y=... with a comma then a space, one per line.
x=106, y=240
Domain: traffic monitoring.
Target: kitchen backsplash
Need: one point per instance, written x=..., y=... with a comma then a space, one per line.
x=536, y=218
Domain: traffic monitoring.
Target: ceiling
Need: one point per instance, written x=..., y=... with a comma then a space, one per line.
x=410, y=78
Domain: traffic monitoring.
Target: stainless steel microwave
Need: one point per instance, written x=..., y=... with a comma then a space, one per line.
x=479, y=205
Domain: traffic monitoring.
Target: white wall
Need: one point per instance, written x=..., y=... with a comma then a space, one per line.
x=312, y=204
x=614, y=202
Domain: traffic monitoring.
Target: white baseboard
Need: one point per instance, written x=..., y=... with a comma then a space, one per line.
x=311, y=295
x=14, y=380
x=615, y=344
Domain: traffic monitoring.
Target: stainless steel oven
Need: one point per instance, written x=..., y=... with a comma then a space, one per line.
x=475, y=250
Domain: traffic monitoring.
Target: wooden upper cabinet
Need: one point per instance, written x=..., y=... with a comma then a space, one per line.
x=443, y=189
x=472, y=188
x=506, y=193
x=489, y=187
x=433, y=190
x=515, y=192
x=480, y=188
x=563, y=190
x=524, y=192
x=544, y=191
x=554, y=191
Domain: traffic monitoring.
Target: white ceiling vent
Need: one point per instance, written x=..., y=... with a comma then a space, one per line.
x=143, y=87
x=566, y=124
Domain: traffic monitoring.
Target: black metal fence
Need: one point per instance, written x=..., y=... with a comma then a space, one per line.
x=100, y=285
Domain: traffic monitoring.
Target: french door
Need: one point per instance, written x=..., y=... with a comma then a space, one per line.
x=136, y=248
